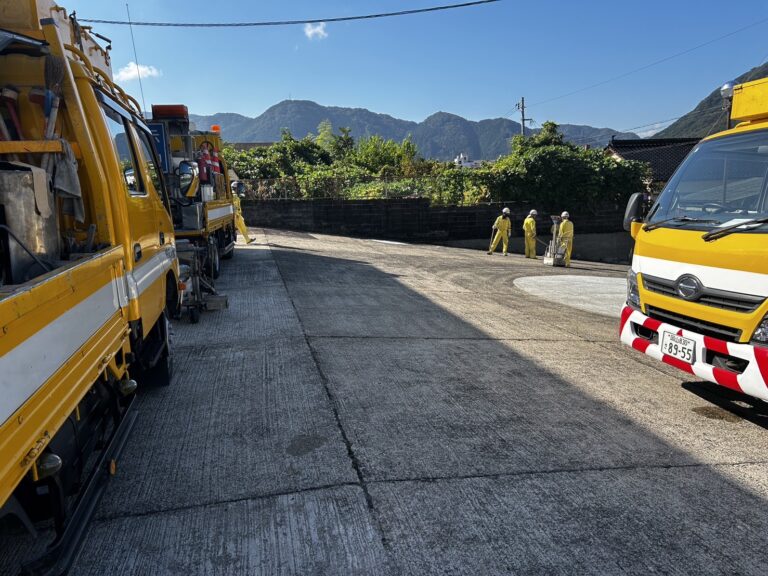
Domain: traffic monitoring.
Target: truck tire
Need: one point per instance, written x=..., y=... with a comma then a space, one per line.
x=214, y=260
x=161, y=374
x=228, y=238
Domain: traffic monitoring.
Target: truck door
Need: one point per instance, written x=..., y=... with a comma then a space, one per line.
x=153, y=176
x=144, y=234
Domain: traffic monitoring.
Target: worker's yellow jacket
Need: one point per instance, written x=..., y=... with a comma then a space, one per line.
x=566, y=229
x=529, y=227
x=503, y=225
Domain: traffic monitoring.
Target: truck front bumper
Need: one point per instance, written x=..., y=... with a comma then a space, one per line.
x=740, y=367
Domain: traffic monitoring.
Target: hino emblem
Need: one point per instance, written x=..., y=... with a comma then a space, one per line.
x=689, y=287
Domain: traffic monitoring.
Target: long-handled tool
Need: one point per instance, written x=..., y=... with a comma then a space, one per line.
x=490, y=244
x=10, y=96
x=54, y=78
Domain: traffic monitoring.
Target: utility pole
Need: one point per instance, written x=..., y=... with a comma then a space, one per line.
x=521, y=106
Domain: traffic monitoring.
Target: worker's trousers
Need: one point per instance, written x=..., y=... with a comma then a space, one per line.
x=567, y=241
x=530, y=246
x=240, y=222
x=500, y=237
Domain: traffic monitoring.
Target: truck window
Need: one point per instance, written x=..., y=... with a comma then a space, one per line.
x=122, y=145
x=722, y=180
x=147, y=157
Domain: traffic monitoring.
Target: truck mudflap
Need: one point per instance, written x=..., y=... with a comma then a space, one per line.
x=740, y=367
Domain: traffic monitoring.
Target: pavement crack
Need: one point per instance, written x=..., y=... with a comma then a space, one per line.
x=212, y=503
x=448, y=338
x=581, y=470
x=333, y=401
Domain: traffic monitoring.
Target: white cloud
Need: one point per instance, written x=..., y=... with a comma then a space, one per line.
x=132, y=70
x=315, y=31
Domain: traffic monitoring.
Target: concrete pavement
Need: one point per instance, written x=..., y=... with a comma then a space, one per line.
x=374, y=408
x=599, y=294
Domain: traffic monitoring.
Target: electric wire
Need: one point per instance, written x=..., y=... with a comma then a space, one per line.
x=693, y=113
x=588, y=140
x=291, y=22
x=136, y=60
x=651, y=64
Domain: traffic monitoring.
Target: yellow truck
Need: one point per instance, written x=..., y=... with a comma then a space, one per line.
x=201, y=195
x=697, y=292
x=202, y=203
x=88, y=270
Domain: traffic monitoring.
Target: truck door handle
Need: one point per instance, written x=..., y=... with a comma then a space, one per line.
x=162, y=238
x=136, y=252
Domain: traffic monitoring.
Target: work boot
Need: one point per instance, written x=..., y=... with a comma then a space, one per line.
x=505, y=254
x=490, y=253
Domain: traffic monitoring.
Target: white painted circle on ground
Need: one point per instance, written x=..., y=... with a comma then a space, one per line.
x=596, y=294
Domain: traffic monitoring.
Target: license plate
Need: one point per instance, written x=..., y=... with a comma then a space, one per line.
x=678, y=347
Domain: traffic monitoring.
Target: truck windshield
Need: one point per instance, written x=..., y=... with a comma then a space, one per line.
x=721, y=182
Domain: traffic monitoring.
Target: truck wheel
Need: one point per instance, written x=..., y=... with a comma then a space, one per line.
x=230, y=237
x=161, y=374
x=214, y=263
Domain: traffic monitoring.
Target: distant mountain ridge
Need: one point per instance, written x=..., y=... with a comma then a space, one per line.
x=441, y=136
x=708, y=117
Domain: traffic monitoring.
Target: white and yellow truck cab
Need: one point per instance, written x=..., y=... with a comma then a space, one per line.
x=697, y=292
x=88, y=271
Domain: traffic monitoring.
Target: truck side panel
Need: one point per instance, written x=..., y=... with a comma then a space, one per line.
x=52, y=345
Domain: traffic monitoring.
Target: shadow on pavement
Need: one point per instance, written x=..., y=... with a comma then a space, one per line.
x=492, y=456
x=344, y=423
x=738, y=405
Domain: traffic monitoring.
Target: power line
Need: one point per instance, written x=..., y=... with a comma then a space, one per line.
x=650, y=65
x=136, y=59
x=291, y=22
x=693, y=113
x=592, y=139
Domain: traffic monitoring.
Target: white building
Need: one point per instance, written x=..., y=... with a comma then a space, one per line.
x=463, y=161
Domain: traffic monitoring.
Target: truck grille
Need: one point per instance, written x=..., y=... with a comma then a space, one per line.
x=694, y=324
x=734, y=301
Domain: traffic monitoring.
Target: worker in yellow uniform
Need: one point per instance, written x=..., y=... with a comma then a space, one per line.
x=239, y=220
x=529, y=228
x=566, y=236
x=503, y=228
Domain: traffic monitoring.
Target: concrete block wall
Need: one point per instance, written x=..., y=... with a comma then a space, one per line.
x=406, y=219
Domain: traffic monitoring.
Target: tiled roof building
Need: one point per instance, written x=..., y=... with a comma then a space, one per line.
x=663, y=154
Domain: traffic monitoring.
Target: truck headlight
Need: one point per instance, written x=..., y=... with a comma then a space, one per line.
x=760, y=335
x=633, y=294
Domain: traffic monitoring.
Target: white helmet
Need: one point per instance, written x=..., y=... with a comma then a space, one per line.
x=533, y=213
x=505, y=211
x=565, y=215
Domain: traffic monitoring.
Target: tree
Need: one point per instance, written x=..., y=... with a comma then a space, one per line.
x=343, y=145
x=325, y=137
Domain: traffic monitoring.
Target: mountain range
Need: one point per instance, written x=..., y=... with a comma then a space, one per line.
x=441, y=136
x=708, y=117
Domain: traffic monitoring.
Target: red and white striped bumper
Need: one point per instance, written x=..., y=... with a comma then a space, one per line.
x=753, y=381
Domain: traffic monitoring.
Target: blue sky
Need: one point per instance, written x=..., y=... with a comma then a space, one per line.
x=475, y=62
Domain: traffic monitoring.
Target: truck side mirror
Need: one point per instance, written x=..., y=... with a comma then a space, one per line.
x=634, y=211
x=186, y=173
